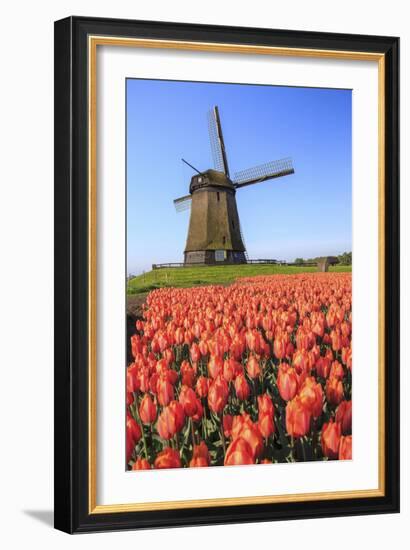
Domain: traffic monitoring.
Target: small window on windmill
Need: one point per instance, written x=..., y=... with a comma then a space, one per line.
x=217, y=196
x=223, y=239
x=219, y=255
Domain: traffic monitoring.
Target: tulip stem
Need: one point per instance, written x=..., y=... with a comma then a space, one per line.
x=192, y=432
x=144, y=441
x=292, y=448
x=222, y=435
x=302, y=443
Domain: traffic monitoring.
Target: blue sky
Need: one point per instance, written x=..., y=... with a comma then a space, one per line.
x=303, y=215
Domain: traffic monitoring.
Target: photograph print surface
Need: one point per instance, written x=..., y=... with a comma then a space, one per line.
x=239, y=274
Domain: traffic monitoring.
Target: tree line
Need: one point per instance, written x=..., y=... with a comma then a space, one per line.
x=344, y=259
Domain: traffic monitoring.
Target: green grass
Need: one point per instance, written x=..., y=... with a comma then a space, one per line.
x=224, y=274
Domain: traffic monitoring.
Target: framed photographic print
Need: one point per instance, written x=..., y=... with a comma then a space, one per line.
x=226, y=274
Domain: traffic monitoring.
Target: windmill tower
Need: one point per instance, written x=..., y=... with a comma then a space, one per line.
x=214, y=234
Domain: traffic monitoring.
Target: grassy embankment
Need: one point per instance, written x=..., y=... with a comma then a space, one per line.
x=217, y=275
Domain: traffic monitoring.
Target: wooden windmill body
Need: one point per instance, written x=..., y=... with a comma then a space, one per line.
x=214, y=234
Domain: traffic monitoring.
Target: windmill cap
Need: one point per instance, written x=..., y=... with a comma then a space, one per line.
x=210, y=178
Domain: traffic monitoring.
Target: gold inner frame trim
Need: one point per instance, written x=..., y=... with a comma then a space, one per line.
x=93, y=42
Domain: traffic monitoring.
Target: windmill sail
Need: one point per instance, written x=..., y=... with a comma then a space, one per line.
x=183, y=203
x=217, y=141
x=257, y=174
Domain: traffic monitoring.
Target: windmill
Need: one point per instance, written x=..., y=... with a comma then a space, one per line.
x=214, y=234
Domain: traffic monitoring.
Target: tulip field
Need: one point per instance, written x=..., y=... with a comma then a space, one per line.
x=257, y=372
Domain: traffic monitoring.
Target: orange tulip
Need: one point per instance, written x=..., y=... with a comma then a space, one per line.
x=200, y=457
x=215, y=366
x=168, y=458
x=239, y=452
x=311, y=396
x=147, y=409
x=133, y=435
x=171, y=420
x=195, y=353
x=189, y=401
x=242, y=387
x=266, y=425
x=344, y=416
x=252, y=367
x=279, y=346
x=141, y=464
x=243, y=427
x=165, y=391
x=298, y=418
x=331, y=433
x=202, y=386
x=336, y=370
x=287, y=382
x=265, y=405
x=227, y=424
x=218, y=395
x=345, y=448
x=323, y=367
x=334, y=391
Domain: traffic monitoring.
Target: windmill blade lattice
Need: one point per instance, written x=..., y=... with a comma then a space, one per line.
x=269, y=170
x=216, y=140
x=183, y=203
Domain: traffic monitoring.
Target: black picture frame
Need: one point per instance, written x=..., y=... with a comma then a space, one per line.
x=72, y=276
